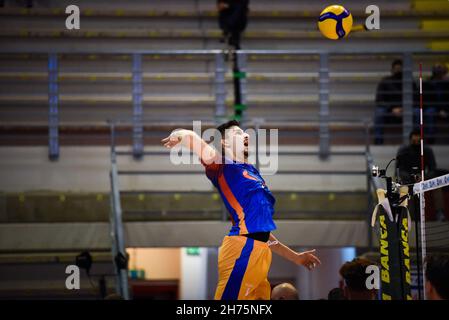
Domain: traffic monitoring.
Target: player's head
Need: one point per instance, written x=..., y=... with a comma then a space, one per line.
x=336, y=294
x=396, y=67
x=234, y=141
x=437, y=277
x=415, y=137
x=284, y=291
x=354, y=278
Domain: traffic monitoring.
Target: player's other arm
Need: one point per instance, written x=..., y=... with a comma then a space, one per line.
x=193, y=142
x=306, y=258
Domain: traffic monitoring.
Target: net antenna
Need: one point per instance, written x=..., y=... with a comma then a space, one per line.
x=421, y=197
x=421, y=187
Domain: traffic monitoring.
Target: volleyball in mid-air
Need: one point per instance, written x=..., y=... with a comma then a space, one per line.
x=335, y=22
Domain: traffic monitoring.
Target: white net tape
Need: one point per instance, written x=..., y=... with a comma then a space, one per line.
x=431, y=184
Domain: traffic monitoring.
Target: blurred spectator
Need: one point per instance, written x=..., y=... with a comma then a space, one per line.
x=437, y=277
x=232, y=19
x=389, y=104
x=336, y=294
x=436, y=90
x=284, y=291
x=354, y=277
x=371, y=256
x=113, y=296
x=408, y=159
x=388, y=100
x=408, y=164
x=27, y=3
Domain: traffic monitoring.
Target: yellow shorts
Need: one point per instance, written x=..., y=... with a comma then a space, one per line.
x=243, y=266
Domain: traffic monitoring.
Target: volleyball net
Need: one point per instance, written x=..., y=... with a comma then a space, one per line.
x=433, y=233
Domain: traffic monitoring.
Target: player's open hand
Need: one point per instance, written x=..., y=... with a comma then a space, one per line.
x=172, y=140
x=307, y=259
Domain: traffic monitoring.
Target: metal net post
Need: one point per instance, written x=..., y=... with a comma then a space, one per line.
x=324, y=105
x=220, y=90
x=137, y=106
x=53, y=112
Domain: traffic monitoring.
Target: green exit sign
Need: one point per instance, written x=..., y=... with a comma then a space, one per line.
x=193, y=251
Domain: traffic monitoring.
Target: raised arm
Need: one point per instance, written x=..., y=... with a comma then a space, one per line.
x=193, y=142
x=306, y=258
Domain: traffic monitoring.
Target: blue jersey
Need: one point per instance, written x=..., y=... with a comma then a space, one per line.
x=246, y=196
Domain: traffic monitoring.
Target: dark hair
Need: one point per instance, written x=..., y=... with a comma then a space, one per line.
x=414, y=132
x=439, y=69
x=354, y=274
x=222, y=128
x=437, y=273
x=113, y=296
x=396, y=62
x=336, y=294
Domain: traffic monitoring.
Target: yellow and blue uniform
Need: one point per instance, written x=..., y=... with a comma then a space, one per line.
x=243, y=263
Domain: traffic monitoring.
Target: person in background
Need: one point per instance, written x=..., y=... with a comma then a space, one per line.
x=388, y=100
x=284, y=291
x=437, y=277
x=408, y=165
x=336, y=294
x=232, y=19
x=389, y=107
x=408, y=159
x=113, y=296
x=353, y=283
x=28, y=3
x=436, y=93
